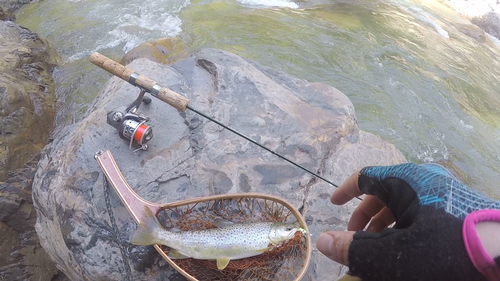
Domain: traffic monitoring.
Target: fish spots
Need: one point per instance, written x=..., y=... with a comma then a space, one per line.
x=233, y=241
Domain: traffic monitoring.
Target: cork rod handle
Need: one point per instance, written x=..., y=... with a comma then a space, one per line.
x=162, y=93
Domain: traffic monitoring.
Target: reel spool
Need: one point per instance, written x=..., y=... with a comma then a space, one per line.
x=130, y=125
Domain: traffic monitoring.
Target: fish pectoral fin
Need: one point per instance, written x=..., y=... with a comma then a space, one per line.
x=222, y=263
x=265, y=249
x=176, y=255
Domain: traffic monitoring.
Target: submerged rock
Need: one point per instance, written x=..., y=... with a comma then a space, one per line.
x=6, y=14
x=165, y=50
x=311, y=123
x=490, y=23
x=27, y=107
x=9, y=7
x=472, y=31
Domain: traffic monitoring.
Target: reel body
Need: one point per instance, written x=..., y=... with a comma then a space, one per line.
x=131, y=125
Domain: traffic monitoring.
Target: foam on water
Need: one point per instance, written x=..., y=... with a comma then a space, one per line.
x=270, y=3
x=425, y=18
x=96, y=26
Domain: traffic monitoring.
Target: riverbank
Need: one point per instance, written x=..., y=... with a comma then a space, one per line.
x=27, y=110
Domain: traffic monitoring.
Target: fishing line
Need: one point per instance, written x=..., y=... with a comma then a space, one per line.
x=262, y=146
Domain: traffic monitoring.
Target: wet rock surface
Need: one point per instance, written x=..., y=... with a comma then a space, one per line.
x=311, y=123
x=472, y=31
x=27, y=104
x=490, y=23
x=165, y=51
x=22, y=257
x=27, y=108
x=6, y=14
x=13, y=5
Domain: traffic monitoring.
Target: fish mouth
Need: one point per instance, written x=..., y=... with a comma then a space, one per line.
x=303, y=230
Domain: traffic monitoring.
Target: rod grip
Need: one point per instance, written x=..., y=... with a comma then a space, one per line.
x=127, y=74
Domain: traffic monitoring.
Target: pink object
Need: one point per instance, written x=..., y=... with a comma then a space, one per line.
x=477, y=254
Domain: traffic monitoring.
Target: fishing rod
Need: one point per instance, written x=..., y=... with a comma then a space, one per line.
x=131, y=126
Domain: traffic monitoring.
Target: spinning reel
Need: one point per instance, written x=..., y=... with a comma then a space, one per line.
x=131, y=125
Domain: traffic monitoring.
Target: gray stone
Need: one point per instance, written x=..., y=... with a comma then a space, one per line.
x=311, y=123
x=490, y=23
x=6, y=14
x=22, y=256
x=14, y=5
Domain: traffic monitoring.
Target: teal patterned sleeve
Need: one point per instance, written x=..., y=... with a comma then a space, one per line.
x=435, y=186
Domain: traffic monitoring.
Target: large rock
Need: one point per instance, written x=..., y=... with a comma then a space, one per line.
x=14, y=5
x=490, y=23
x=27, y=101
x=312, y=123
x=27, y=109
x=6, y=14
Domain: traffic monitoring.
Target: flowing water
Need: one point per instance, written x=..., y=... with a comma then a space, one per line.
x=413, y=77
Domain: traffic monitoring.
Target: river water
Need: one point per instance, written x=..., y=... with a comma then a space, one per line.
x=413, y=77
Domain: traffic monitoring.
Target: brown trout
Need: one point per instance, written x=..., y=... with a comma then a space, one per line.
x=224, y=243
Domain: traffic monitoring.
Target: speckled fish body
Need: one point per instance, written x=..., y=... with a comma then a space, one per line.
x=224, y=243
x=234, y=241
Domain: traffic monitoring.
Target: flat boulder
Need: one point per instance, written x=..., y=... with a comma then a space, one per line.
x=311, y=123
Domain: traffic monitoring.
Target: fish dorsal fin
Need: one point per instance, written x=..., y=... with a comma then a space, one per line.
x=222, y=263
x=221, y=223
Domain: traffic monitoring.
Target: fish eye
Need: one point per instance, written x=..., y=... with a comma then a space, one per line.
x=289, y=228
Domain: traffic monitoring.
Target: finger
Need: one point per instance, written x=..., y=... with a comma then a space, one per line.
x=383, y=219
x=365, y=211
x=397, y=194
x=347, y=190
x=335, y=245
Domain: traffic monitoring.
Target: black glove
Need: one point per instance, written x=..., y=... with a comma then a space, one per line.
x=426, y=242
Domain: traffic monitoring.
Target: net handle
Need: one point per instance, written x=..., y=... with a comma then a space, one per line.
x=133, y=202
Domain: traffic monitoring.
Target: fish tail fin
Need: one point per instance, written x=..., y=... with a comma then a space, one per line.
x=148, y=229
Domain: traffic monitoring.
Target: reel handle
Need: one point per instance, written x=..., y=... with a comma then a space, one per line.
x=127, y=74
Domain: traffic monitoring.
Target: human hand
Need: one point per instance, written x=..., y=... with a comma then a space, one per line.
x=426, y=242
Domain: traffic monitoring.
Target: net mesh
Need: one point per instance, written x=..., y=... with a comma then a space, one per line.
x=282, y=262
